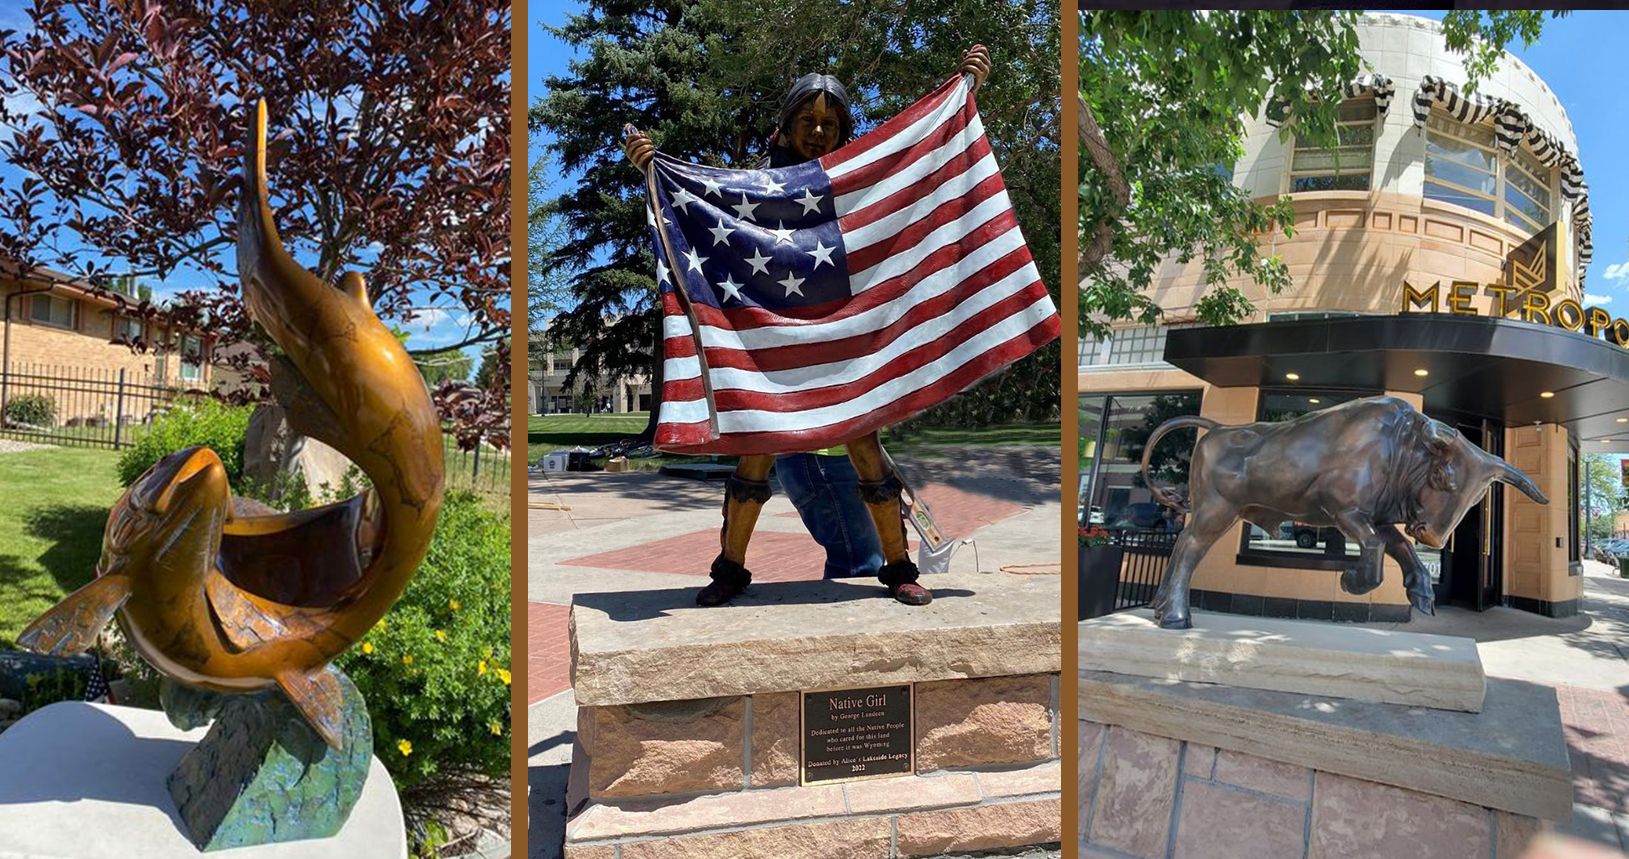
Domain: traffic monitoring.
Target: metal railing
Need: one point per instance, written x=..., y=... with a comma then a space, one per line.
x=80, y=406
x=1124, y=570
x=483, y=470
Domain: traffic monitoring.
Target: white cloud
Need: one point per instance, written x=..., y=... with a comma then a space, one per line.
x=1618, y=271
x=1592, y=298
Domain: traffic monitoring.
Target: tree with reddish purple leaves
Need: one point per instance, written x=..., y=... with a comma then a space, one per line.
x=123, y=128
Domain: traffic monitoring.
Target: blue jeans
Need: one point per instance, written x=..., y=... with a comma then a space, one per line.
x=826, y=492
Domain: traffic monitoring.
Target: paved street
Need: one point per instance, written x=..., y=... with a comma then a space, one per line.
x=1586, y=660
x=633, y=531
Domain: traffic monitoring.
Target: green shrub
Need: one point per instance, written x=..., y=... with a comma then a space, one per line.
x=204, y=423
x=435, y=671
x=37, y=410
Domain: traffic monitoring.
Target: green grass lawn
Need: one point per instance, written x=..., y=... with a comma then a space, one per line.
x=56, y=504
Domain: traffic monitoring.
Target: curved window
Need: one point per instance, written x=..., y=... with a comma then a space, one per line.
x=1463, y=167
x=1349, y=164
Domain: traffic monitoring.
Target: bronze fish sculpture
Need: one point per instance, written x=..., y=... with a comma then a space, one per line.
x=218, y=598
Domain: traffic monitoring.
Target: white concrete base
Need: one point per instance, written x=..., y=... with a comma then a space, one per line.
x=1309, y=657
x=86, y=781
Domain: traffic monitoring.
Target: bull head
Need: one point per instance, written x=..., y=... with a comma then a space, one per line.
x=1459, y=474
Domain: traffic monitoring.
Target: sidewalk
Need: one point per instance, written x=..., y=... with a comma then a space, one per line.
x=1586, y=659
x=600, y=532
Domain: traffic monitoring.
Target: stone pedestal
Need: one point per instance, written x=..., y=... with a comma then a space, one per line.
x=1381, y=665
x=1176, y=768
x=87, y=781
x=689, y=740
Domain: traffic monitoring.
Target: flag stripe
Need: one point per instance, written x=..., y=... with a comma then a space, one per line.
x=897, y=133
x=747, y=443
x=1008, y=277
x=968, y=206
x=919, y=164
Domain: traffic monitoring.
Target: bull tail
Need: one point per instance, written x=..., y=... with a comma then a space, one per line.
x=1159, y=492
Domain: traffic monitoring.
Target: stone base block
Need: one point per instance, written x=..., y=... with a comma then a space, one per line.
x=1152, y=797
x=87, y=781
x=923, y=815
x=628, y=751
x=1407, y=668
x=632, y=648
x=1511, y=757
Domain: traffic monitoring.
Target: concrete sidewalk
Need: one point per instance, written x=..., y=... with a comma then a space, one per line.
x=1586, y=659
x=600, y=532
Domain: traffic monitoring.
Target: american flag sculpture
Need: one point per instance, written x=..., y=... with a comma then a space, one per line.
x=807, y=306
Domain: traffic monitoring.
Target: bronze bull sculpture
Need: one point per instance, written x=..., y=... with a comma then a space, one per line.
x=1363, y=467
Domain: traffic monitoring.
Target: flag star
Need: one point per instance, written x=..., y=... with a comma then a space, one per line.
x=661, y=272
x=712, y=187
x=650, y=216
x=744, y=210
x=721, y=234
x=810, y=201
x=821, y=254
x=773, y=187
x=683, y=199
x=731, y=288
x=759, y=262
x=782, y=235
x=694, y=259
x=792, y=285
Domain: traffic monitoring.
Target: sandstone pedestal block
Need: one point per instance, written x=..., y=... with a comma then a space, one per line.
x=689, y=720
x=87, y=781
x=1169, y=766
x=1406, y=668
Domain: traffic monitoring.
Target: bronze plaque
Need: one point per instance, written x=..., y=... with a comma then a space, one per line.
x=852, y=734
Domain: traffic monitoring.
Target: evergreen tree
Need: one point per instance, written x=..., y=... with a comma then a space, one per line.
x=705, y=77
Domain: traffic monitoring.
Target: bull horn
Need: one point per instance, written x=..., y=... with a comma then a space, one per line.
x=1512, y=475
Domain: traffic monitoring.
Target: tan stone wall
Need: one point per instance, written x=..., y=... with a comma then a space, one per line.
x=1537, y=565
x=1151, y=797
x=1353, y=251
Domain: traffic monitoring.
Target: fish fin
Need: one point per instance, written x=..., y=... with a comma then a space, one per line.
x=352, y=283
x=249, y=621
x=72, y=625
x=319, y=699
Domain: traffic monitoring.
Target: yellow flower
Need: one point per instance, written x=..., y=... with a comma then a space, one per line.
x=405, y=747
x=495, y=728
x=407, y=659
x=481, y=668
x=503, y=674
x=454, y=605
x=367, y=647
x=441, y=635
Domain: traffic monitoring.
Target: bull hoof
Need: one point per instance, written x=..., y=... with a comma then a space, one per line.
x=1423, y=603
x=1353, y=584
x=1174, y=621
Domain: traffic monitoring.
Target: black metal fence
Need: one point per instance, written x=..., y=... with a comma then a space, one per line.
x=80, y=406
x=482, y=470
x=1123, y=570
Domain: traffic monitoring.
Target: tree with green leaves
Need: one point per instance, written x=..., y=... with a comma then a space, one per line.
x=1163, y=96
x=444, y=365
x=705, y=77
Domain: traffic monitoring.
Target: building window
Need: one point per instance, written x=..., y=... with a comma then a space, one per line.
x=1314, y=545
x=1463, y=167
x=1113, y=433
x=128, y=330
x=1126, y=346
x=1348, y=165
x=54, y=311
x=192, y=358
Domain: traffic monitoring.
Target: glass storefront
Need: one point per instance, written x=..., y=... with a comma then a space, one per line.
x=1114, y=431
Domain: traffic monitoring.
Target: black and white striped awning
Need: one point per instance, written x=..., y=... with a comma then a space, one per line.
x=1512, y=129
x=1377, y=85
